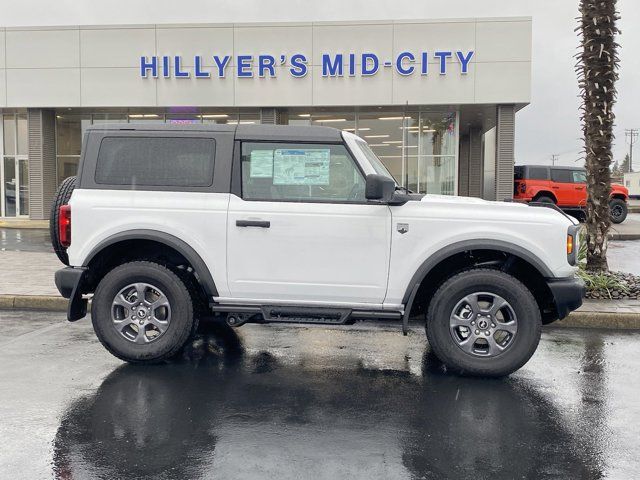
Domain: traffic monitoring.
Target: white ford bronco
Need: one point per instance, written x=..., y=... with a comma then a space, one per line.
x=168, y=224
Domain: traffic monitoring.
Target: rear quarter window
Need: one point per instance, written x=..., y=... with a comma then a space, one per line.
x=156, y=161
x=518, y=173
x=537, y=173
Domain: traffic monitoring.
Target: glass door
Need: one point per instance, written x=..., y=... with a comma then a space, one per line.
x=9, y=186
x=14, y=166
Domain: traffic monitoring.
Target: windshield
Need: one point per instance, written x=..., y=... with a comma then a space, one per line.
x=377, y=165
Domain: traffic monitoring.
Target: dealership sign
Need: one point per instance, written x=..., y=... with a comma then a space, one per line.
x=332, y=65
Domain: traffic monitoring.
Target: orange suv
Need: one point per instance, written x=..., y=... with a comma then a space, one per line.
x=564, y=186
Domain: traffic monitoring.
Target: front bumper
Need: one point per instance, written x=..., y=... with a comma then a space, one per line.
x=567, y=294
x=70, y=281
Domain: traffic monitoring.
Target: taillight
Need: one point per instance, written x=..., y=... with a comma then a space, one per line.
x=64, y=225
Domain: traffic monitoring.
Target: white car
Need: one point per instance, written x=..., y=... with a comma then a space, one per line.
x=166, y=224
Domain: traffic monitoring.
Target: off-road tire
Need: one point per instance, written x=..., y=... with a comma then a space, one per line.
x=62, y=196
x=508, y=287
x=182, y=324
x=620, y=204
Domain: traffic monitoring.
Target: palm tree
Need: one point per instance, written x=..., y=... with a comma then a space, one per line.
x=597, y=73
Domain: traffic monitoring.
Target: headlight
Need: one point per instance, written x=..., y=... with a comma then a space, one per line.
x=572, y=244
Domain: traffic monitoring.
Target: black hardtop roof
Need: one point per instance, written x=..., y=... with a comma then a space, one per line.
x=556, y=167
x=273, y=133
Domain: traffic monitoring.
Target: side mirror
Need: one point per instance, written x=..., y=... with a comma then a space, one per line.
x=379, y=187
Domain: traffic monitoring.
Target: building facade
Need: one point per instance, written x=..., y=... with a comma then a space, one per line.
x=436, y=99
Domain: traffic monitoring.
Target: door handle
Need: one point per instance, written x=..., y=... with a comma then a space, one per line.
x=253, y=223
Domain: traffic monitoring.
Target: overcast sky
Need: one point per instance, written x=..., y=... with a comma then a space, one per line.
x=548, y=125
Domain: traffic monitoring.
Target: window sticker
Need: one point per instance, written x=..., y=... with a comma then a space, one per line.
x=301, y=167
x=261, y=164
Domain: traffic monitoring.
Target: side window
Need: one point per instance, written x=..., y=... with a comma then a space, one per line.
x=300, y=173
x=156, y=161
x=579, y=176
x=538, y=173
x=561, y=175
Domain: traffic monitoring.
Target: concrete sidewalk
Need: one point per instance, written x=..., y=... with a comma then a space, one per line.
x=26, y=282
x=28, y=273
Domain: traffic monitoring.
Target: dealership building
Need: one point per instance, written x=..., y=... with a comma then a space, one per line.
x=436, y=99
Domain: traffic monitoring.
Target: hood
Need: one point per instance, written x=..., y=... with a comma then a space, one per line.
x=451, y=199
x=477, y=208
x=617, y=187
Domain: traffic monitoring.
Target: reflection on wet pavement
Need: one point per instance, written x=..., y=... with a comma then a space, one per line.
x=25, y=239
x=309, y=402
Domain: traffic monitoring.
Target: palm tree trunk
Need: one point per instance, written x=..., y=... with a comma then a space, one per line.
x=597, y=73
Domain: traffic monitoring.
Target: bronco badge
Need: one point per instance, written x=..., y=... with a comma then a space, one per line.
x=403, y=227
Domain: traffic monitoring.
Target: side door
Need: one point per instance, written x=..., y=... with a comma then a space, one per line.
x=580, y=187
x=562, y=186
x=300, y=230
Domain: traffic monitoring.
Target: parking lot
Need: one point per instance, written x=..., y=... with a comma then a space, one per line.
x=313, y=402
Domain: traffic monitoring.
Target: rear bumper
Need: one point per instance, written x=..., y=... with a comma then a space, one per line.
x=69, y=282
x=567, y=294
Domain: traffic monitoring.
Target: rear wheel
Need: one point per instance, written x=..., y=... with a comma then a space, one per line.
x=62, y=197
x=483, y=322
x=618, y=210
x=142, y=312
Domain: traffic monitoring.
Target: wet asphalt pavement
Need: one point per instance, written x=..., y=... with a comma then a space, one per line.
x=312, y=402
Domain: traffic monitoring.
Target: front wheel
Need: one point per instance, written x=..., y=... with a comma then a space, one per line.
x=618, y=210
x=142, y=312
x=483, y=322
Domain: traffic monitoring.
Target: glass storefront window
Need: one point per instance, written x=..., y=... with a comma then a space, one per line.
x=417, y=146
x=438, y=134
x=98, y=118
x=331, y=118
x=183, y=118
x=382, y=130
x=217, y=117
x=67, y=166
x=146, y=117
x=9, y=132
x=440, y=175
x=299, y=117
x=69, y=132
x=248, y=117
x=23, y=135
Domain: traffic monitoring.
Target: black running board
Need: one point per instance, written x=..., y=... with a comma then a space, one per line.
x=240, y=314
x=285, y=314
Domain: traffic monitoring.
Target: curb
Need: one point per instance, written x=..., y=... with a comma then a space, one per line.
x=624, y=236
x=33, y=302
x=610, y=320
x=26, y=224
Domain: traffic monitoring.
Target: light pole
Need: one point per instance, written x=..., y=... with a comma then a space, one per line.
x=632, y=135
